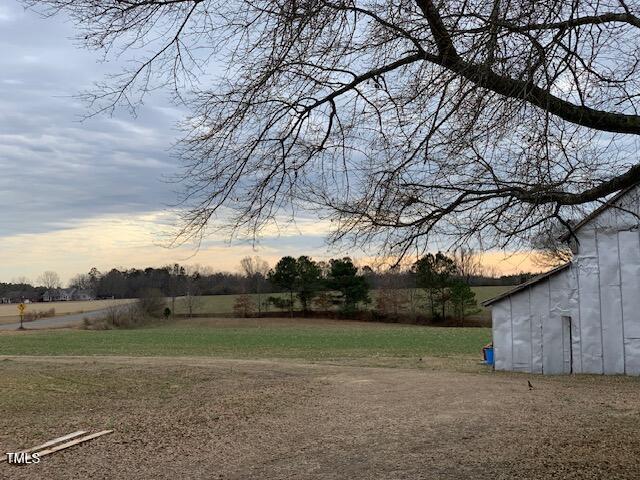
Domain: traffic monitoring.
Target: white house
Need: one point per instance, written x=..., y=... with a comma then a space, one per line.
x=66, y=295
x=83, y=295
x=582, y=317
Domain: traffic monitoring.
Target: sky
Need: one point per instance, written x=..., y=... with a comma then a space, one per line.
x=77, y=194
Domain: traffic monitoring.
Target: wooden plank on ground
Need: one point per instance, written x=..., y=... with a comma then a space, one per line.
x=50, y=443
x=77, y=441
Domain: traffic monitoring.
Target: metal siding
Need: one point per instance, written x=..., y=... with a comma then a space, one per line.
x=632, y=349
x=501, y=319
x=630, y=285
x=586, y=265
x=621, y=215
x=553, y=330
x=610, y=302
x=539, y=313
x=521, y=325
x=600, y=292
x=566, y=344
x=573, y=303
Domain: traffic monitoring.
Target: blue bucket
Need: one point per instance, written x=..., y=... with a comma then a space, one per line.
x=488, y=355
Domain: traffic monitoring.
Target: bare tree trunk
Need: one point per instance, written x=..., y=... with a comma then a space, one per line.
x=291, y=303
x=259, y=296
x=432, y=303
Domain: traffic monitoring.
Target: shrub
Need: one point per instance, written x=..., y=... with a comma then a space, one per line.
x=95, y=324
x=151, y=302
x=391, y=302
x=324, y=302
x=244, y=306
x=148, y=309
x=31, y=316
x=280, y=303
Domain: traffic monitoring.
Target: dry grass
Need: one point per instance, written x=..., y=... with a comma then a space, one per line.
x=203, y=418
x=9, y=313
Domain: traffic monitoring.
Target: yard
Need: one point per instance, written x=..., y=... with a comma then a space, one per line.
x=304, y=399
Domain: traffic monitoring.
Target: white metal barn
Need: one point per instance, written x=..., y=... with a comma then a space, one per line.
x=582, y=317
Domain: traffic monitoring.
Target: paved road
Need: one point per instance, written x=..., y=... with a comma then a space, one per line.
x=55, y=322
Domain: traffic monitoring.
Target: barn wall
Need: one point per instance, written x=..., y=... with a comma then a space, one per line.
x=527, y=328
x=502, y=340
x=588, y=305
x=630, y=277
x=607, y=284
x=556, y=342
x=596, y=302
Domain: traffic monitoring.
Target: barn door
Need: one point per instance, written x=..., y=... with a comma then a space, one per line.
x=567, y=352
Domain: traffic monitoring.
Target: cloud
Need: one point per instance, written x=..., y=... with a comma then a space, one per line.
x=6, y=14
x=82, y=194
x=134, y=241
x=56, y=170
x=74, y=194
x=138, y=241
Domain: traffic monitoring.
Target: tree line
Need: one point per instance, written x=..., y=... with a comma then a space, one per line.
x=436, y=284
x=340, y=284
x=333, y=283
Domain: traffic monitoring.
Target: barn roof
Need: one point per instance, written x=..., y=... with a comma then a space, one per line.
x=526, y=284
x=606, y=205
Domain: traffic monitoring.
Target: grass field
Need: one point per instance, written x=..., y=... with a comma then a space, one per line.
x=9, y=312
x=223, y=304
x=304, y=399
x=256, y=338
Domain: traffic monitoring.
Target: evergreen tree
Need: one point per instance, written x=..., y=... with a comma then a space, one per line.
x=343, y=277
x=462, y=298
x=309, y=281
x=285, y=276
x=434, y=273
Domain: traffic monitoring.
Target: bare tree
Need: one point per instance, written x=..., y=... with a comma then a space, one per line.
x=176, y=283
x=49, y=280
x=468, y=263
x=402, y=121
x=490, y=271
x=550, y=249
x=256, y=270
x=83, y=281
x=192, y=290
x=243, y=306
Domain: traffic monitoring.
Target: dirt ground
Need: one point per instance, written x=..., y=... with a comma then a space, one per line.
x=203, y=418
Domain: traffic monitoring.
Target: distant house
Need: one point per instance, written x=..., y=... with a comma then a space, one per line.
x=55, y=295
x=83, y=295
x=50, y=296
x=67, y=295
x=19, y=297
